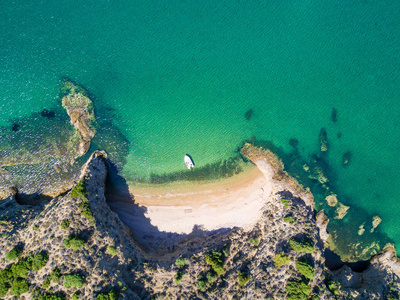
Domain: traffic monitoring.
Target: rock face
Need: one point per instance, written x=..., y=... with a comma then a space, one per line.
x=379, y=281
x=322, y=223
x=80, y=109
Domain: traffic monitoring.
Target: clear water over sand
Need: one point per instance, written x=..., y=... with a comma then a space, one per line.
x=179, y=78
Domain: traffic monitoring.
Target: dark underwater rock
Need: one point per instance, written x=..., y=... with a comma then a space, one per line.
x=48, y=114
x=334, y=115
x=323, y=140
x=293, y=142
x=248, y=114
x=346, y=158
x=15, y=127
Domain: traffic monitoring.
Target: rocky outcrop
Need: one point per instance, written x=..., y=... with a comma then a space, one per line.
x=331, y=200
x=106, y=252
x=376, y=220
x=322, y=222
x=381, y=280
x=341, y=211
x=80, y=109
x=323, y=140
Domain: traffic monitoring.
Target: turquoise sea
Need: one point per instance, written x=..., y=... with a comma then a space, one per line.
x=176, y=77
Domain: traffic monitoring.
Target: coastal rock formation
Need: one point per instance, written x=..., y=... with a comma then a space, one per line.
x=341, y=211
x=74, y=246
x=361, y=229
x=376, y=220
x=331, y=200
x=323, y=140
x=379, y=281
x=80, y=109
x=321, y=221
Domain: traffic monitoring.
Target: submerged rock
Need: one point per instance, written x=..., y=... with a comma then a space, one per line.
x=248, y=114
x=334, y=115
x=15, y=127
x=80, y=109
x=48, y=114
x=341, y=211
x=323, y=140
x=294, y=142
x=331, y=200
x=346, y=158
x=376, y=220
x=318, y=174
x=361, y=229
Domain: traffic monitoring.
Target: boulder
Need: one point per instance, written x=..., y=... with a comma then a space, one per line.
x=331, y=200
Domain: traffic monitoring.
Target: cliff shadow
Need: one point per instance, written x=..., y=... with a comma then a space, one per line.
x=147, y=236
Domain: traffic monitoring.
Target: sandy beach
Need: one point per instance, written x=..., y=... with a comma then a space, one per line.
x=180, y=207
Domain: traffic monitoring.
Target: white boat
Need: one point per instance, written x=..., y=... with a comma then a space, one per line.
x=188, y=161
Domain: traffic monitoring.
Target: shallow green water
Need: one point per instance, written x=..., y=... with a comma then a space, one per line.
x=178, y=78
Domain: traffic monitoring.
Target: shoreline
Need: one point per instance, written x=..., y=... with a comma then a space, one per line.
x=180, y=207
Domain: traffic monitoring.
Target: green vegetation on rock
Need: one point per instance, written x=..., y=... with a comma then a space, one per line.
x=47, y=296
x=14, y=254
x=75, y=296
x=281, y=259
x=112, y=295
x=46, y=284
x=178, y=277
x=22, y=267
x=211, y=277
x=19, y=286
x=243, y=278
x=55, y=275
x=297, y=290
x=4, y=287
x=85, y=209
x=306, y=246
x=286, y=202
x=201, y=284
x=39, y=261
x=74, y=242
x=111, y=250
x=73, y=280
x=64, y=224
x=216, y=261
x=79, y=190
x=181, y=262
x=289, y=219
x=305, y=268
x=334, y=287
x=255, y=241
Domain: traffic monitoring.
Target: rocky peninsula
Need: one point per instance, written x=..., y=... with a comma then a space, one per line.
x=74, y=246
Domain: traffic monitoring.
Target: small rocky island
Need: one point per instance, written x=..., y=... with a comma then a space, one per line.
x=74, y=247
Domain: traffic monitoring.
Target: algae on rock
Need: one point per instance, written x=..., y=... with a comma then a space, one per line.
x=80, y=109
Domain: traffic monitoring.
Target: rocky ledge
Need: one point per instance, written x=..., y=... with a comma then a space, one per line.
x=80, y=109
x=75, y=247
